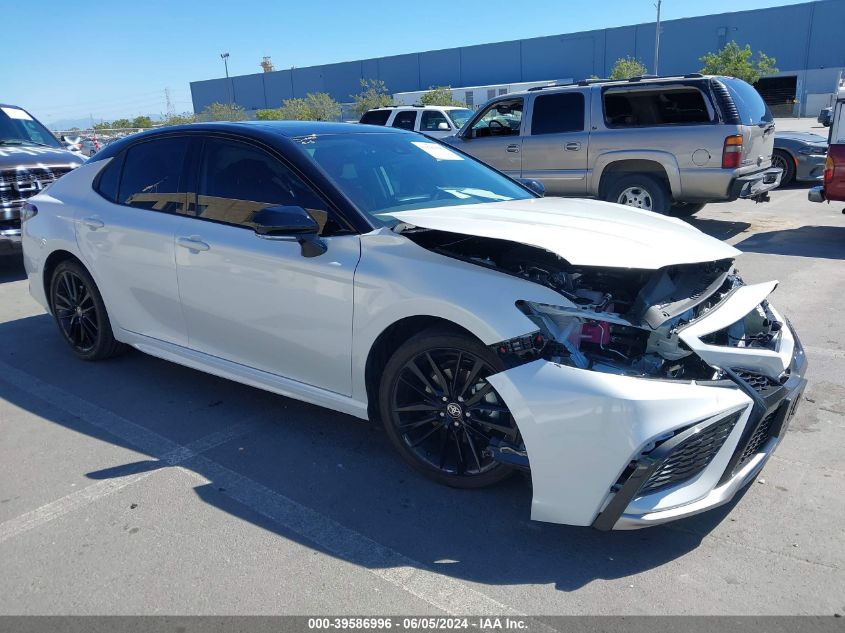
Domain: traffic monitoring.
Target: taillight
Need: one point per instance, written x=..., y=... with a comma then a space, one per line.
x=28, y=211
x=732, y=152
x=828, y=170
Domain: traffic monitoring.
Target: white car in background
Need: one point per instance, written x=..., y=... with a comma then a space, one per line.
x=612, y=352
x=433, y=121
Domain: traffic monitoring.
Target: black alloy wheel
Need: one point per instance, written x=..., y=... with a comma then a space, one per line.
x=80, y=313
x=441, y=413
x=786, y=163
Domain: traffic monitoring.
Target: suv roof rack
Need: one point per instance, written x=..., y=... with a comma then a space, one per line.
x=587, y=82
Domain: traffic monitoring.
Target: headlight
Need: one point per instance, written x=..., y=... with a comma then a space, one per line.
x=813, y=150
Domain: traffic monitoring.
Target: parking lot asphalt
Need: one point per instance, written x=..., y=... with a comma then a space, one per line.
x=136, y=486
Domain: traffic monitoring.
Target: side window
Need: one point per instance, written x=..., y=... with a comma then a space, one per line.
x=152, y=175
x=375, y=117
x=236, y=180
x=558, y=113
x=667, y=106
x=405, y=119
x=109, y=179
x=431, y=121
x=502, y=118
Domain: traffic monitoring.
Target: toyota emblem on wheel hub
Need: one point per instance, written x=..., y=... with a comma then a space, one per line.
x=454, y=410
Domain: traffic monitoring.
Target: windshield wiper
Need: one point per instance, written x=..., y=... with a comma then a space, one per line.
x=20, y=141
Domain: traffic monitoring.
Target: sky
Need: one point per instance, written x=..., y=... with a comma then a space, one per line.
x=106, y=59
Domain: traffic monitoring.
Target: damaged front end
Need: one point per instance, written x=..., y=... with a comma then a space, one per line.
x=644, y=395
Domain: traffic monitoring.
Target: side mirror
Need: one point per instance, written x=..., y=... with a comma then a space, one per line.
x=443, y=126
x=290, y=223
x=534, y=185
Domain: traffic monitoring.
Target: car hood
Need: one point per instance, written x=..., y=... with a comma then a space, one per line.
x=583, y=232
x=804, y=137
x=13, y=156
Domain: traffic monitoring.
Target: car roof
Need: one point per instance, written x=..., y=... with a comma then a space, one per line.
x=419, y=107
x=633, y=81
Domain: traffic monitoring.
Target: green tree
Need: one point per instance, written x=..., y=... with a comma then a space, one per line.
x=373, y=95
x=121, y=123
x=321, y=107
x=102, y=125
x=270, y=114
x=734, y=61
x=627, y=67
x=222, y=112
x=440, y=95
x=142, y=121
x=179, y=119
x=295, y=109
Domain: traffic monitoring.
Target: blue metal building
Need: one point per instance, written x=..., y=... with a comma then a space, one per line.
x=806, y=40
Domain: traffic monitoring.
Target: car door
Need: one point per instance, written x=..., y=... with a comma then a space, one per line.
x=260, y=302
x=494, y=136
x=435, y=124
x=554, y=151
x=126, y=237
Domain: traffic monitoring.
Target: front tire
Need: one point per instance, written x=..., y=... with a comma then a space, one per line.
x=641, y=191
x=784, y=161
x=440, y=412
x=81, y=314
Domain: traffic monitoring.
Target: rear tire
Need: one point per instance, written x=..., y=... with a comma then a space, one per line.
x=641, y=191
x=784, y=161
x=439, y=411
x=80, y=313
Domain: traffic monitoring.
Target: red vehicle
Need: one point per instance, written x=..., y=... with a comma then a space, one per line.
x=834, y=167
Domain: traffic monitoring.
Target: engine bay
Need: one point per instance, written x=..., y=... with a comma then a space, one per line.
x=617, y=320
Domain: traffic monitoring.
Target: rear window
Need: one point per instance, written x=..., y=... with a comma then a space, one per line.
x=682, y=105
x=750, y=105
x=405, y=119
x=375, y=117
x=558, y=113
x=109, y=179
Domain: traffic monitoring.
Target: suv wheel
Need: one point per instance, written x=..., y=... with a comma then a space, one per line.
x=784, y=161
x=440, y=412
x=641, y=191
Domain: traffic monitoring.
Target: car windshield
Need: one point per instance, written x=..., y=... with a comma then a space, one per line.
x=459, y=116
x=383, y=173
x=17, y=127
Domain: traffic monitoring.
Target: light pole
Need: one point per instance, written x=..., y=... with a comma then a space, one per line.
x=657, y=38
x=225, y=58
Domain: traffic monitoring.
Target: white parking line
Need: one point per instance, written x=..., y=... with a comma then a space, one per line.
x=90, y=494
x=442, y=592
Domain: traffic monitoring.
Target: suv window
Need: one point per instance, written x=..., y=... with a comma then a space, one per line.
x=750, y=105
x=375, y=117
x=152, y=175
x=660, y=106
x=431, y=119
x=405, y=119
x=236, y=180
x=558, y=113
x=502, y=118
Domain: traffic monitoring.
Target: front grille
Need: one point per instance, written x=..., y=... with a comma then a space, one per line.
x=760, y=383
x=692, y=455
x=16, y=185
x=756, y=441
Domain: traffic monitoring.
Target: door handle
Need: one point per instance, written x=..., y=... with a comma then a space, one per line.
x=192, y=243
x=572, y=147
x=513, y=148
x=93, y=223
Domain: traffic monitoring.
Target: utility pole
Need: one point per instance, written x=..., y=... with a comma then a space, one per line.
x=657, y=38
x=169, y=103
x=225, y=58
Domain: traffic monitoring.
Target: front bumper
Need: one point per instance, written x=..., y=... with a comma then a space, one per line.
x=816, y=194
x=756, y=185
x=810, y=167
x=594, y=440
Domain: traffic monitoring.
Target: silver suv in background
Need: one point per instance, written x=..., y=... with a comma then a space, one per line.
x=666, y=144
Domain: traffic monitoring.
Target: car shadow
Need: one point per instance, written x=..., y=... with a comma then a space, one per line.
x=720, y=229
x=327, y=463
x=827, y=242
x=11, y=267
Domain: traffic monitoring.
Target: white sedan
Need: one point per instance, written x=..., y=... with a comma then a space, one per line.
x=612, y=352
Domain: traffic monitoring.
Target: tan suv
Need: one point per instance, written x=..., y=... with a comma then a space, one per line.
x=666, y=144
